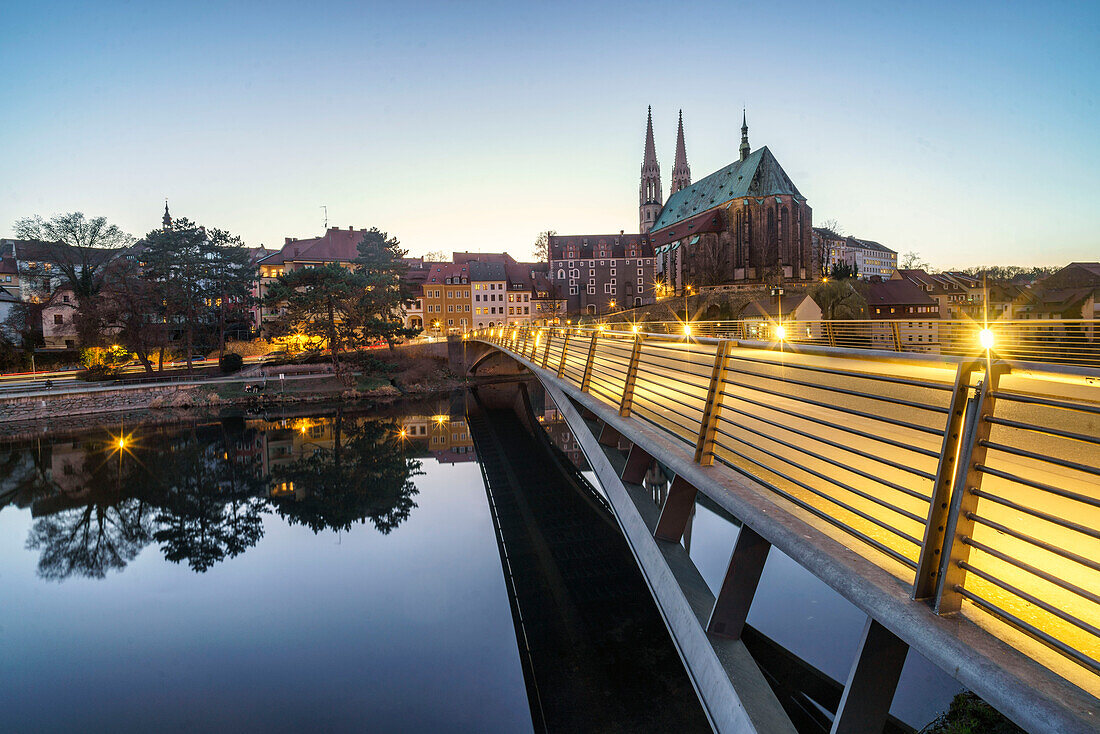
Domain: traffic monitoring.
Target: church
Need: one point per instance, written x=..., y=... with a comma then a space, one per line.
x=746, y=223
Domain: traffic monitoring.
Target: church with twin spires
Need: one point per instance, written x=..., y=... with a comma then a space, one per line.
x=746, y=223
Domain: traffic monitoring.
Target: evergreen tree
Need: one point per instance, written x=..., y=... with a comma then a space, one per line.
x=386, y=292
x=324, y=302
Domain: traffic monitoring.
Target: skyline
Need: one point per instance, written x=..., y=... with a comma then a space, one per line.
x=476, y=128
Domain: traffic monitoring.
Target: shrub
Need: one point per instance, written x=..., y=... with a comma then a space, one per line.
x=230, y=362
x=97, y=372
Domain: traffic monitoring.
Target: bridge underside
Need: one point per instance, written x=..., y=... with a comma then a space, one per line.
x=707, y=630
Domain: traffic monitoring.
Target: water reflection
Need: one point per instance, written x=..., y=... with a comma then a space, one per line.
x=200, y=494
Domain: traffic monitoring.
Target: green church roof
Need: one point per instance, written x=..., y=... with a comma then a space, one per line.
x=758, y=175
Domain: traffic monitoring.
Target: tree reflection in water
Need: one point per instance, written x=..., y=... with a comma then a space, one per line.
x=366, y=475
x=201, y=498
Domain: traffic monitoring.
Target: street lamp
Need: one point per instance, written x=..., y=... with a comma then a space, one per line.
x=985, y=336
x=687, y=292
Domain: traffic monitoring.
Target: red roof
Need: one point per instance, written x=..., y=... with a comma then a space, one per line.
x=335, y=245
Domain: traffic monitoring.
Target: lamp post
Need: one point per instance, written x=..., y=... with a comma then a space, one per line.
x=687, y=292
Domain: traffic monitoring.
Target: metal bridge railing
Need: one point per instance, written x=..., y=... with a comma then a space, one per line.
x=1075, y=342
x=975, y=481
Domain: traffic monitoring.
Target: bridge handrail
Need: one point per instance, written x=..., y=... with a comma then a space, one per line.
x=974, y=480
x=1060, y=341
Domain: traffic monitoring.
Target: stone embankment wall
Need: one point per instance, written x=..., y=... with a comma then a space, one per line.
x=45, y=405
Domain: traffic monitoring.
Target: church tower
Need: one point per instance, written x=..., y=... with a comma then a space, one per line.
x=744, y=136
x=681, y=173
x=649, y=193
x=167, y=219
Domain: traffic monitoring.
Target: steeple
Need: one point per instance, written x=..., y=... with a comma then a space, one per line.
x=167, y=221
x=681, y=173
x=744, y=136
x=649, y=193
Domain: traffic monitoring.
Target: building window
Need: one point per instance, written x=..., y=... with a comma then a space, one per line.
x=58, y=318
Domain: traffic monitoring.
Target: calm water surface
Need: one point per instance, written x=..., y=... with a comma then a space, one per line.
x=328, y=572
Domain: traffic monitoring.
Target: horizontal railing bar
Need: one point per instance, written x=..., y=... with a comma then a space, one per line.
x=654, y=421
x=1083, y=468
x=1053, y=519
x=848, y=391
x=814, y=454
x=1064, y=616
x=859, y=513
x=1049, y=402
x=1034, y=570
x=855, y=432
x=848, y=411
x=1039, y=485
x=1070, y=555
x=1041, y=429
x=655, y=397
x=1031, y=629
x=664, y=382
x=859, y=493
x=878, y=545
x=848, y=373
x=828, y=442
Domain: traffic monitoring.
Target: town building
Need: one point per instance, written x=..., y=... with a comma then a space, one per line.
x=866, y=256
x=1071, y=293
x=598, y=273
x=447, y=298
x=903, y=316
x=745, y=223
x=799, y=315
x=489, y=281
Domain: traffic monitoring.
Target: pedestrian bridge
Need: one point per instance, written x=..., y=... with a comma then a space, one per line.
x=955, y=500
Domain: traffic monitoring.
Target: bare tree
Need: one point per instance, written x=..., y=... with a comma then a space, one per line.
x=81, y=249
x=435, y=256
x=913, y=261
x=541, y=250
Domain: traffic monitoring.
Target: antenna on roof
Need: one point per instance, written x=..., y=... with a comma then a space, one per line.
x=326, y=216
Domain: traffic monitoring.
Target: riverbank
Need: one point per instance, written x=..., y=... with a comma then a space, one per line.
x=416, y=370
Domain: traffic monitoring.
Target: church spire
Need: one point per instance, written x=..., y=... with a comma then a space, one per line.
x=681, y=172
x=167, y=220
x=649, y=192
x=650, y=148
x=744, y=136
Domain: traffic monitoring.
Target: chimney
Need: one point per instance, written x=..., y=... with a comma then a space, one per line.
x=288, y=241
x=350, y=228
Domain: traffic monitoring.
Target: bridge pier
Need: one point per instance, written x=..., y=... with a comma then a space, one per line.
x=731, y=607
x=678, y=506
x=871, y=682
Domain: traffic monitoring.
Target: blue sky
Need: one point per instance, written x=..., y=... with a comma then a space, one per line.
x=967, y=133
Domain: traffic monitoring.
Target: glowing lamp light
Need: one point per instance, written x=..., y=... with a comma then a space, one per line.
x=687, y=329
x=635, y=328
x=403, y=433
x=780, y=333
x=985, y=336
x=601, y=327
x=121, y=442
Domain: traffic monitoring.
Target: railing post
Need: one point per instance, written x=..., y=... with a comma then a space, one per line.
x=897, y=335
x=627, y=402
x=546, y=346
x=586, y=380
x=704, y=443
x=968, y=480
x=830, y=334
x=924, y=583
x=564, y=349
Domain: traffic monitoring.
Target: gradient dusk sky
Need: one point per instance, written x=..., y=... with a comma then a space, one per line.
x=969, y=132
